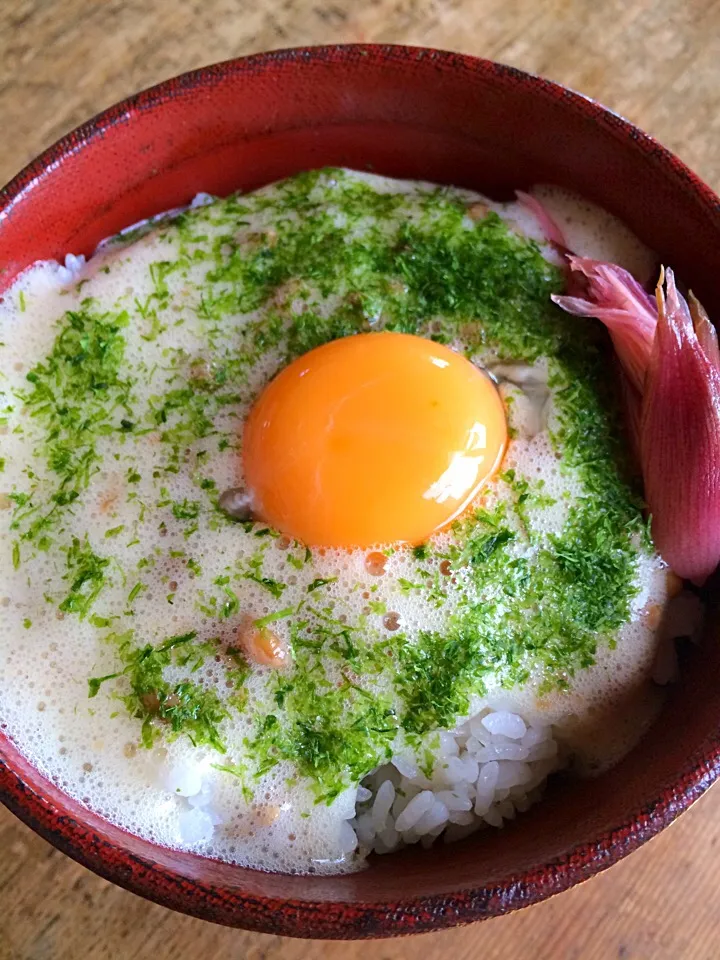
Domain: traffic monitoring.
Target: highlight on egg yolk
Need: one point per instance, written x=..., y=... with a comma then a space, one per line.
x=373, y=438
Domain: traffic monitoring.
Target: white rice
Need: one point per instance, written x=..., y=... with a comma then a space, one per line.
x=492, y=766
x=489, y=768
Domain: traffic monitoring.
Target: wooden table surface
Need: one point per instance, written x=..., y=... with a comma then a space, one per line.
x=655, y=61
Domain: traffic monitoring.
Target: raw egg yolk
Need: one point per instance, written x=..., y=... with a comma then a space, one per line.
x=373, y=438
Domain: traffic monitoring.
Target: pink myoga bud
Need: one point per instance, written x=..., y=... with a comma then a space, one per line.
x=680, y=437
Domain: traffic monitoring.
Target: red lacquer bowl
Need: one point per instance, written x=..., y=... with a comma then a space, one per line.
x=409, y=113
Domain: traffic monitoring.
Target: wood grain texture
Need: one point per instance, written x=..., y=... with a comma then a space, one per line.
x=657, y=62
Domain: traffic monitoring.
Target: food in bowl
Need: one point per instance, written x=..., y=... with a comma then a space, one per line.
x=321, y=535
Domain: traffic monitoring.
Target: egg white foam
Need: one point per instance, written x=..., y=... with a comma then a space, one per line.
x=87, y=747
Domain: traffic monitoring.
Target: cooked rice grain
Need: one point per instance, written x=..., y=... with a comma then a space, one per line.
x=491, y=767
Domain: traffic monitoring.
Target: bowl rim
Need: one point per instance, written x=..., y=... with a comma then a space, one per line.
x=301, y=918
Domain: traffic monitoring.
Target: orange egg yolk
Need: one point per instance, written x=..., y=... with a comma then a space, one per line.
x=373, y=438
